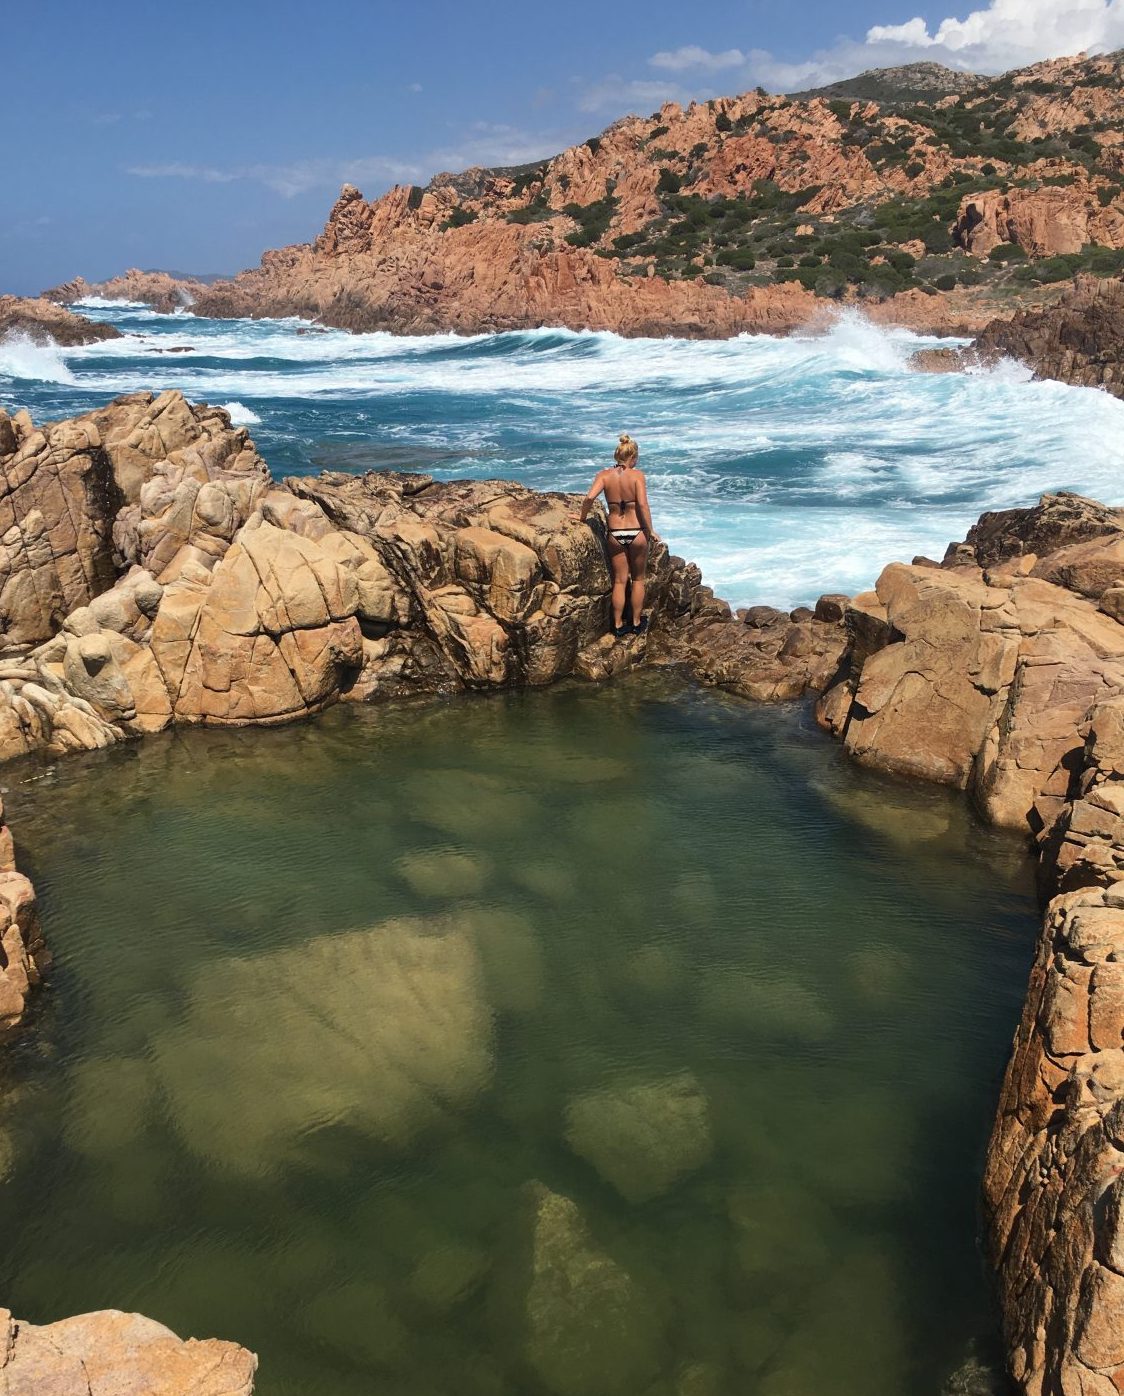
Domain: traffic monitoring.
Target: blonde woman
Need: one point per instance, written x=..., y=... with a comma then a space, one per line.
x=630, y=532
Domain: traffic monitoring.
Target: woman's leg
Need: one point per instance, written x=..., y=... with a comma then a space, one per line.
x=618, y=562
x=638, y=570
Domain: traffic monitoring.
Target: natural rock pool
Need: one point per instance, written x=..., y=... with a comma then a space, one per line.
x=597, y=1042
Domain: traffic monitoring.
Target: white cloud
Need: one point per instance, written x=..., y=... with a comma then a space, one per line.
x=617, y=94
x=1006, y=34
x=1011, y=32
x=693, y=57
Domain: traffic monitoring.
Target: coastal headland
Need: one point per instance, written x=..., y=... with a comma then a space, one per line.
x=154, y=573
x=947, y=203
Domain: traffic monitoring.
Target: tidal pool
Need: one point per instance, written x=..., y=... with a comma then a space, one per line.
x=623, y=1041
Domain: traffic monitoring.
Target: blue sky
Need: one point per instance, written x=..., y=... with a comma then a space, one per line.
x=194, y=136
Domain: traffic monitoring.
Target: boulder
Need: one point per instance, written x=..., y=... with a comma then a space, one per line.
x=116, y=1354
x=590, y=1328
x=642, y=1136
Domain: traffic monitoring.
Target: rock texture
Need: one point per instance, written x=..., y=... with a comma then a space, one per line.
x=116, y=1354
x=23, y=954
x=1079, y=340
x=159, y=289
x=737, y=214
x=152, y=572
x=44, y=322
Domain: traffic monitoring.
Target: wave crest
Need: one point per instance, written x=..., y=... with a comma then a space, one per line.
x=23, y=360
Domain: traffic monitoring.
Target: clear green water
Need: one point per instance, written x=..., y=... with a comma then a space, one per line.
x=597, y=1042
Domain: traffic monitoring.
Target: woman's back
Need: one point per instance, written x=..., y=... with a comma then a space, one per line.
x=623, y=487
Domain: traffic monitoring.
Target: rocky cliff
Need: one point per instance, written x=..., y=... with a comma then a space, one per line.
x=1079, y=340
x=939, y=207
x=44, y=322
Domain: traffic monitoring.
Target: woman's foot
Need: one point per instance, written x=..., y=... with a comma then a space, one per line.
x=622, y=631
x=641, y=626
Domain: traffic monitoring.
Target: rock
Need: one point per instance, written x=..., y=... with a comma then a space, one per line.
x=161, y=290
x=1044, y=222
x=590, y=1329
x=832, y=608
x=45, y=323
x=643, y=1136
x=387, y=1031
x=115, y=1354
x=1079, y=339
x=761, y=617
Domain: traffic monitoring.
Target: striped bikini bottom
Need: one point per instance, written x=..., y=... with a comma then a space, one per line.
x=625, y=536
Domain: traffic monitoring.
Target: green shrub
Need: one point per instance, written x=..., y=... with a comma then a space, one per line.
x=937, y=238
x=714, y=278
x=945, y=282
x=899, y=260
x=658, y=131
x=459, y=216
x=914, y=169
x=669, y=182
x=699, y=149
x=848, y=263
x=1006, y=252
x=722, y=122
x=786, y=261
x=988, y=171
x=809, y=260
x=840, y=110
x=593, y=145
x=740, y=258
x=830, y=284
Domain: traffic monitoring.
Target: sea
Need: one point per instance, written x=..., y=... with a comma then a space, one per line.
x=785, y=467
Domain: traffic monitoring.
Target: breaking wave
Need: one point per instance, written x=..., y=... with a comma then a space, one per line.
x=784, y=466
x=22, y=360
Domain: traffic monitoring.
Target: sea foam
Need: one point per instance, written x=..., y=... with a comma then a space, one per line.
x=783, y=466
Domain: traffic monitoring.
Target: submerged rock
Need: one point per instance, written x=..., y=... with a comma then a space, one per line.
x=642, y=1136
x=386, y=1032
x=590, y=1329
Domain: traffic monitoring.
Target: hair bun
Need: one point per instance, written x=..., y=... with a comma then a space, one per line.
x=625, y=438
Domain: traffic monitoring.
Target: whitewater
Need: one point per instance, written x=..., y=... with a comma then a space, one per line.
x=784, y=467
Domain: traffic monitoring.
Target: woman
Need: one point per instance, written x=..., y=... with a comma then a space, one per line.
x=630, y=532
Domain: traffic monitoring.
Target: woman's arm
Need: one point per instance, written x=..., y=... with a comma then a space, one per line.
x=591, y=494
x=643, y=513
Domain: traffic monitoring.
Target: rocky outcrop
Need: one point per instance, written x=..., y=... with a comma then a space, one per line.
x=743, y=213
x=159, y=289
x=154, y=573
x=44, y=322
x=391, y=266
x=1054, y=1184
x=116, y=1354
x=1043, y=222
x=23, y=954
x=1079, y=340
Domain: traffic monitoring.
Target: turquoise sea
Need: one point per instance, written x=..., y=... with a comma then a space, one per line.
x=785, y=467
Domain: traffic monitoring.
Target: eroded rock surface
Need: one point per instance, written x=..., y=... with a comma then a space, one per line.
x=116, y=1354
x=153, y=572
x=1079, y=340
x=43, y=322
x=23, y=954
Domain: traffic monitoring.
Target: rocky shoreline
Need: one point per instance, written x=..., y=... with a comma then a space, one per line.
x=152, y=573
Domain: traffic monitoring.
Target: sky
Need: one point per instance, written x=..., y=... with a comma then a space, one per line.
x=194, y=136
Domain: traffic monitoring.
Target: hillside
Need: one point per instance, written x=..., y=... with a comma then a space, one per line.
x=935, y=208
